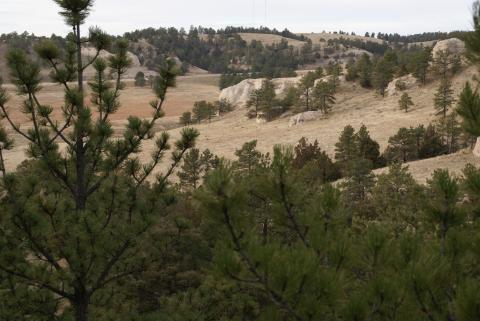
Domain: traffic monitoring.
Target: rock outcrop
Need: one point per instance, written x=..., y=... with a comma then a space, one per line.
x=299, y=119
x=408, y=82
x=476, y=150
x=453, y=45
x=239, y=94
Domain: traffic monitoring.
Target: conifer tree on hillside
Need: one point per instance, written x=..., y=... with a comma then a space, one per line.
x=421, y=65
x=382, y=75
x=364, y=69
x=444, y=98
x=323, y=97
x=253, y=103
x=186, y=118
x=405, y=102
x=75, y=220
x=469, y=109
x=306, y=86
x=351, y=74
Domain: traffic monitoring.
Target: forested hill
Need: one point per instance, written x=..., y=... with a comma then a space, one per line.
x=263, y=53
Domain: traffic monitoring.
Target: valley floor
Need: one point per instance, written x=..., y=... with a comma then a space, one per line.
x=355, y=106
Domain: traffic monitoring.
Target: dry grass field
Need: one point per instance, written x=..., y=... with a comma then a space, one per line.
x=355, y=106
x=268, y=39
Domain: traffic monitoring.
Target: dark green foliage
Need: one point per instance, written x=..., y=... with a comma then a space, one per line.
x=76, y=223
x=195, y=166
x=352, y=147
x=186, y=118
x=416, y=143
x=469, y=109
x=140, y=80
x=444, y=98
x=305, y=87
x=351, y=74
x=364, y=70
x=382, y=74
x=224, y=106
x=249, y=157
x=405, y=102
x=421, y=63
x=262, y=102
x=203, y=110
x=316, y=164
x=323, y=97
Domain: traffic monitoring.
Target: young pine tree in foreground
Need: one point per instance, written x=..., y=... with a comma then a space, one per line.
x=76, y=216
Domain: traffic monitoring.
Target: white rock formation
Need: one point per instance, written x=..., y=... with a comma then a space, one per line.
x=239, y=94
x=476, y=150
x=409, y=81
x=453, y=45
x=299, y=119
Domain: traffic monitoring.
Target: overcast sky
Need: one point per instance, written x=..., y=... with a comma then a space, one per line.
x=119, y=16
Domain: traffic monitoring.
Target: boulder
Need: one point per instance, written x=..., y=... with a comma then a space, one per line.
x=476, y=150
x=409, y=81
x=304, y=117
x=453, y=45
x=239, y=94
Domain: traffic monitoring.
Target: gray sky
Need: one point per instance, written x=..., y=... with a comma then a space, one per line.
x=119, y=16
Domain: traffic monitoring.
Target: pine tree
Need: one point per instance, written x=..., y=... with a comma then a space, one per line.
x=253, y=103
x=140, y=79
x=405, y=102
x=367, y=148
x=444, y=98
x=442, y=207
x=469, y=109
x=305, y=87
x=421, y=64
x=191, y=170
x=382, y=75
x=351, y=74
x=346, y=147
x=323, y=97
x=79, y=217
x=186, y=118
x=364, y=69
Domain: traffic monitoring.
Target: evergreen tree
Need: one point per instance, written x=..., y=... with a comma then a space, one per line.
x=367, y=148
x=140, y=80
x=351, y=74
x=223, y=106
x=442, y=207
x=248, y=157
x=469, y=109
x=382, y=75
x=203, y=110
x=402, y=147
x=346, y=147
x=186, y=118
x=405, y=102
x=253, y=103
x=421, y=64
x=364, y=69
x=323, y=97
x=74, y=223
x=191, y=170
x=305, y=87
x=444, y=98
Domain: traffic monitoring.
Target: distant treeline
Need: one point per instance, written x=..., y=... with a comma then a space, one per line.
x=421, y=37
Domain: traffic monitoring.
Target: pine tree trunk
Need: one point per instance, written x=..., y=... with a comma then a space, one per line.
x=476, y=150
x=81, y=197
x=81, y=310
